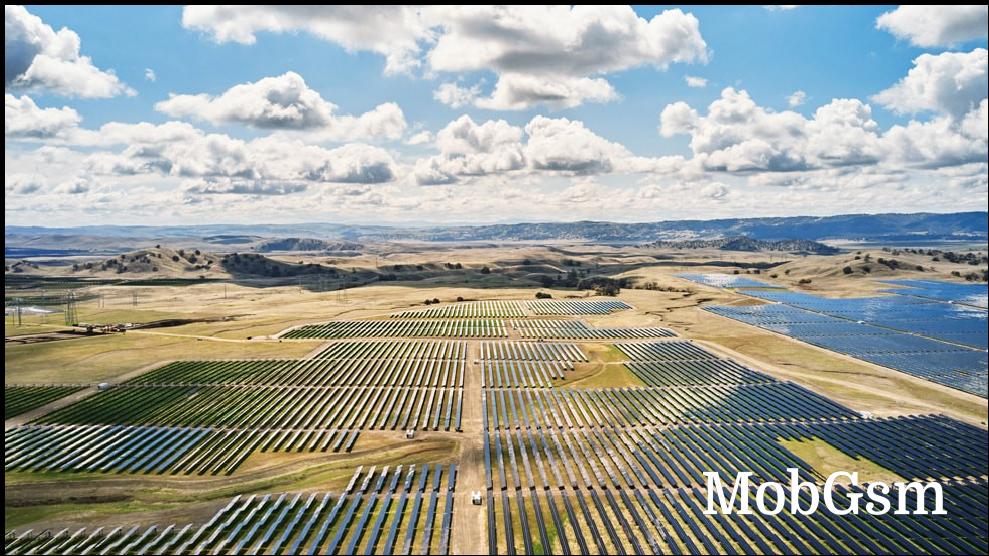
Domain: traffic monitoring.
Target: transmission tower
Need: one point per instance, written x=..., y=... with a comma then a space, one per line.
x=70, y=309
x=15, y=316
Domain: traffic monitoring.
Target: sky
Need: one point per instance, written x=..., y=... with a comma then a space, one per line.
x=460, y=115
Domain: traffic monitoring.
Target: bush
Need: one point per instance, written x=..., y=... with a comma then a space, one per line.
x=485, y=270
x=805, y=281
x=460, y=298
x=607, y=289
x=543, y=295
x=847, y=270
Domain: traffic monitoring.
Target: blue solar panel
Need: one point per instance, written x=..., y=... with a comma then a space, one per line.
x=952, y=323
x=942, y=342
x=969, y=294
x=721, y=280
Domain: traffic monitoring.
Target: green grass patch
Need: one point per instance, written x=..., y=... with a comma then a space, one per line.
x=826, y=459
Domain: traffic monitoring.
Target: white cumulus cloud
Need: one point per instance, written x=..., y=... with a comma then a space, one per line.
x=285, y=102
x=24, y=119
x=37, y=58
x=951, y=83
x=930, y=26
x=551, y=55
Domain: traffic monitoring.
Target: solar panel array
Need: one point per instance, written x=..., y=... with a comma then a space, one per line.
x=976, y=295
x=318, y=372
x=517, y=309
x=462, y=328
x=620, y=470
x=641, y=490
x=18, y=400
x=534, y=364
x=209, y=416
x=400, y=510
x=720, y=280
x=940, y=342
x=575, y=307
x=467, y=309
x=395, y=349
x=579, y=330
x=685, y=364
x=956, y=324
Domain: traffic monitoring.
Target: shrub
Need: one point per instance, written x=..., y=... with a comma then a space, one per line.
x=543, y=295
x=847, y=270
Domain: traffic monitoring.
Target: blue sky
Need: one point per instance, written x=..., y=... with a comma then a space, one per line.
x=601, y=155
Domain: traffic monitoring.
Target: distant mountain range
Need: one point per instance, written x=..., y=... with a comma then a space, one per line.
x=968, y=226
x=748, y=244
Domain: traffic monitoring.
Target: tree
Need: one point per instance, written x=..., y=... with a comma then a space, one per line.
x=485, y=270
